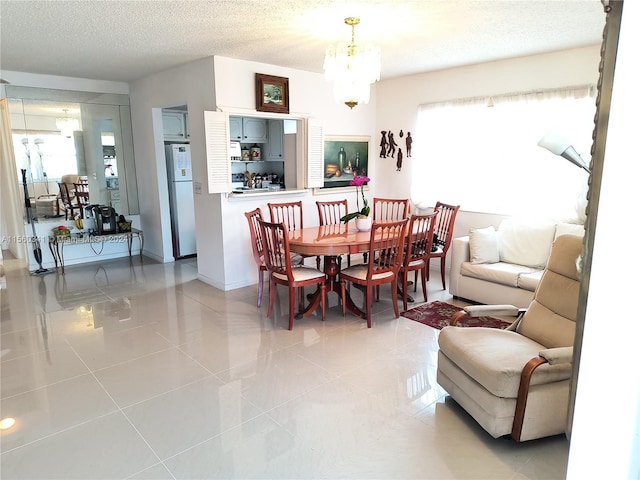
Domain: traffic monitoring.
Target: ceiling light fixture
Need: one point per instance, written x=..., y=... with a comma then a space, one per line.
x=67, y=125
x=352, y=69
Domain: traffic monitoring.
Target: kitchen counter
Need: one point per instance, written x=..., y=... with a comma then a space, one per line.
x=255, y=192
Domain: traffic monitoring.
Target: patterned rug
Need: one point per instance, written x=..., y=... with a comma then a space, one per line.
x=438, y=314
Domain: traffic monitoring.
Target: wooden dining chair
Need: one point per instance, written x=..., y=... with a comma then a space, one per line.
x=69, y=202
x=330, y=213
x=277, y=255
x=390, y=209
x=81, y=192
x=257, y=246
x=444, y=232
x=290, y=213
x=386, y=245
x=416, y=254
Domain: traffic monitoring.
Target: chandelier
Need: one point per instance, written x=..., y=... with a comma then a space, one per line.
x=352, y=69
x=67, y=125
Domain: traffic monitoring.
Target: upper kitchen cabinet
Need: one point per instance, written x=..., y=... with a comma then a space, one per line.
x=174, y=125
x=275, y=147
x=248, y=129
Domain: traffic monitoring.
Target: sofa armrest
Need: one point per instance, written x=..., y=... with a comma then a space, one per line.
x=487, y=310
x=557, y=355
x=459, y=254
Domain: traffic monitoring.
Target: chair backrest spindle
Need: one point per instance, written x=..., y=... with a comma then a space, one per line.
x=289, y=213
x=390, y=209
x=330, y=213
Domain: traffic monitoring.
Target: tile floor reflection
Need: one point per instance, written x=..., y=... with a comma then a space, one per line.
x=126, y=370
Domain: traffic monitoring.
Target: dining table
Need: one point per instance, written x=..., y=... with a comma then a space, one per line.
x=330, y=242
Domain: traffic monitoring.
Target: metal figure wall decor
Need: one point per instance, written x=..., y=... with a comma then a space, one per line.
x=388, y=146
x=383, y=144
x=392, y=145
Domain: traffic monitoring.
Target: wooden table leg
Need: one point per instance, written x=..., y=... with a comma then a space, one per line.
x=331, y=269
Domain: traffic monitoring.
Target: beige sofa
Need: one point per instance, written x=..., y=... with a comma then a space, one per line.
x=504, y=265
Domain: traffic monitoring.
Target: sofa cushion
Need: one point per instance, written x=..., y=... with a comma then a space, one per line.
x=494, y=358
x=530, y=281
x=503, y=273
x=483, y=245
x=525, y=243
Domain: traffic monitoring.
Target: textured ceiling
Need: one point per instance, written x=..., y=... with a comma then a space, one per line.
x=126, y=40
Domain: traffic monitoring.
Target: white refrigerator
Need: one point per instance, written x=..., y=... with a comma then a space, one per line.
x=183, y=220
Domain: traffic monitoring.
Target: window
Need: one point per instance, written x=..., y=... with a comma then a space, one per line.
x=44, y=155
x=483, y=154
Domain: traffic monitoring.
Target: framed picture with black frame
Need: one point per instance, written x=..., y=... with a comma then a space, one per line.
x=272, y=93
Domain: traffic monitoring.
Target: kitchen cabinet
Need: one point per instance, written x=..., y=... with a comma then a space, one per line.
x=275, y=146
x=306, y=168
x=174, y=126
x=248, y=129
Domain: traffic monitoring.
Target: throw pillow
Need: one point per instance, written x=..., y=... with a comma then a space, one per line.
x=524, y=243
x=483, y=245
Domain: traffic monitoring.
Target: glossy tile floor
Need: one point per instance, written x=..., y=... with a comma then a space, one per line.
x=127, y=370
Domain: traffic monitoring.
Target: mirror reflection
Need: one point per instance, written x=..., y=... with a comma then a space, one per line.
x=76, y=148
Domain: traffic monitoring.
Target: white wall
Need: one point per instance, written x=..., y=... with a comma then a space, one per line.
x=310, y=96
x=605, y=438
x=224, y=256
x=193, y=85
x=398, y=100
x=229, y=85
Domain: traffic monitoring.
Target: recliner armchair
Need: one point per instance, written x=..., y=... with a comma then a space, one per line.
x=516, y=381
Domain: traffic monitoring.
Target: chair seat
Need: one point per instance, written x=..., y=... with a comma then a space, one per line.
x=419, y=263
x=494, y=358
x=301, y=273
x=360, y=272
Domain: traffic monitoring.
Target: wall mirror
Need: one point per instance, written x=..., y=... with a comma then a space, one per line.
x=61, y=132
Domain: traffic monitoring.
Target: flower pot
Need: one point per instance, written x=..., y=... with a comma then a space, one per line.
x=363, y=224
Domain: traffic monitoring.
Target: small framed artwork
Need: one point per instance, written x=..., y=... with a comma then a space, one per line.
x=344, y=158
x=272, y=93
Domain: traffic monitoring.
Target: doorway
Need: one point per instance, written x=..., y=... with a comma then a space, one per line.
x=179, y=181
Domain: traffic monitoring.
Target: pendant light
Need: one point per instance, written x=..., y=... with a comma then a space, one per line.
x=67, y=125
x=352, y=69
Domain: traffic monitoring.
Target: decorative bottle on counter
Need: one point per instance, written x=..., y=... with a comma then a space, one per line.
x=342, y=159
x=358, y=160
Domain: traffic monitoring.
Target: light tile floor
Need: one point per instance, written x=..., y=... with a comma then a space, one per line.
x=127, y=370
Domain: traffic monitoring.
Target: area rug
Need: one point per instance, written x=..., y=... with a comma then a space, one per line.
x=438, y=315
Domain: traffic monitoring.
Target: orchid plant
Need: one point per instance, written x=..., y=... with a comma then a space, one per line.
x=358, y=182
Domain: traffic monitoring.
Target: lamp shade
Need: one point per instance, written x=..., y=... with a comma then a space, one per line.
x=560, y=145
x=352, y=68
x=67, y=125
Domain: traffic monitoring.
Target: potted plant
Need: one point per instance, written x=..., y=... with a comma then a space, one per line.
x=363, y=220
